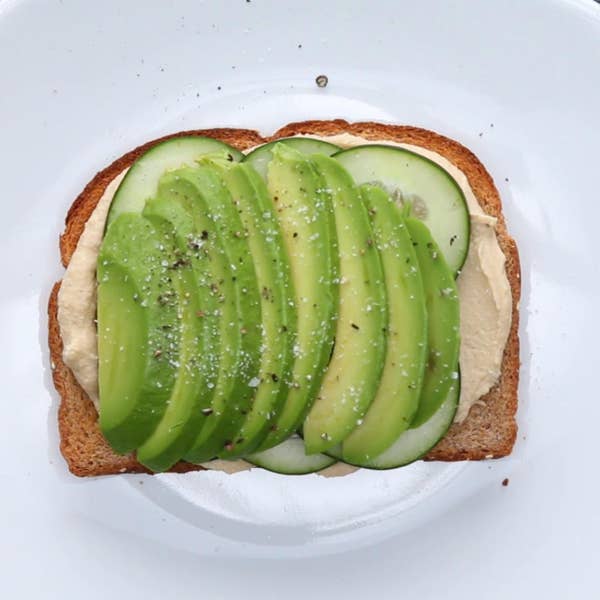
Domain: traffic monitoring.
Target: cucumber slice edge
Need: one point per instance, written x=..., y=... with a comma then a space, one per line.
x=168, y=154
x=454, y=255
x=395, y=456
x=289, y=458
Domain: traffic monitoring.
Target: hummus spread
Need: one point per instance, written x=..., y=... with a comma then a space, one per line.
x=484, y=293
x=77, y=299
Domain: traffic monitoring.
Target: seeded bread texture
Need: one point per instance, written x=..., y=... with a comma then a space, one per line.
x=490, y=429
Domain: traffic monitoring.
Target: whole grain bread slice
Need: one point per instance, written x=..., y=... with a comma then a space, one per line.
x=490, y=428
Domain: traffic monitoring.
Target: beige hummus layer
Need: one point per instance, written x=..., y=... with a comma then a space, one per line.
x=484, y=293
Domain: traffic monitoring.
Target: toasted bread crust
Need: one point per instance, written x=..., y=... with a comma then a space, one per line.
x=490, y=429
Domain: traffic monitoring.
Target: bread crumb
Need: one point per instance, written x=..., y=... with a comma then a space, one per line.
x=505, y=481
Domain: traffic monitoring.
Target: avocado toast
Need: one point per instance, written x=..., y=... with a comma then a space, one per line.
x=489, y=430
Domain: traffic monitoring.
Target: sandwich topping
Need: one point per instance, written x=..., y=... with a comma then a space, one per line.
x=482, y=286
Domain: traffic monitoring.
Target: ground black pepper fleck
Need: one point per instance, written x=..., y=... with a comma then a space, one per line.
x=322, y=81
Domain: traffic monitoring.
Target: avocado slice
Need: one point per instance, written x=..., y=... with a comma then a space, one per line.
x=443, y=337
x=353, y=374
x=260, y=157
x=414, y=443
x=271, y=263
x=397, y=398
x=235, y=288
x=305, y=213
x=189, y=404
x=138, y=340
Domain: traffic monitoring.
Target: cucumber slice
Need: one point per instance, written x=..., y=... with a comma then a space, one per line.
x=260, y=157
x=436, y=197
x=413, y=444
x=141, y=181
x=290, y=458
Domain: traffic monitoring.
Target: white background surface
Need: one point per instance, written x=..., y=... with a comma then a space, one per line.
x=517, y=82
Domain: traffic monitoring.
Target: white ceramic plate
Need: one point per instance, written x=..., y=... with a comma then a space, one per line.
x=519, y=83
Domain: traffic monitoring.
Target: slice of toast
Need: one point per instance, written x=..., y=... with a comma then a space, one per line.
x=490, y=429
